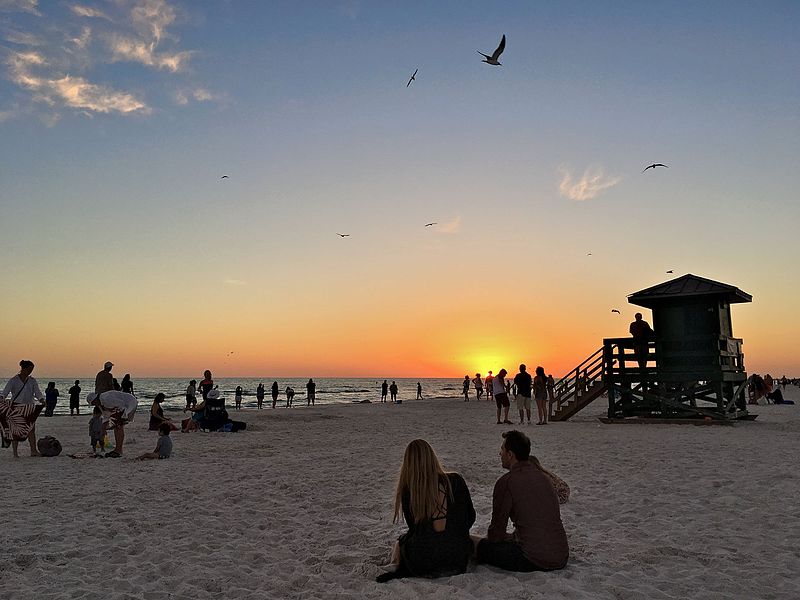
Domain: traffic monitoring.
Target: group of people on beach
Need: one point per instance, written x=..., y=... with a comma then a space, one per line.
x=208, y=383
x=437, y=508
x=522, y=387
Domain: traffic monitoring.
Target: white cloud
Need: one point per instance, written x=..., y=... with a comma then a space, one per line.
x=152, y=17
x=451, y=226
x=22, y=38
x=592, y=182
x=135, y=50
x=182, y=97
x=82, y=41
x=87, y=11
x=27, y=6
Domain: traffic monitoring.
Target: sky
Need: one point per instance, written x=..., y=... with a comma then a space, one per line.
x=121, y=240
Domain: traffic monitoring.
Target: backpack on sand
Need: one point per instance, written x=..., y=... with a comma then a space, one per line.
x=49, y=446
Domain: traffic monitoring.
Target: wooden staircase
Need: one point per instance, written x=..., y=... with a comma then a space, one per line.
x=578, y=388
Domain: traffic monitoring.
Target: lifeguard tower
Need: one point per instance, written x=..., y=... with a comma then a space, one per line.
x=694, y=366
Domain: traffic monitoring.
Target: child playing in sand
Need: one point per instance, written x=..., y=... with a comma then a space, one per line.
x=96, y=431
x=163, y=446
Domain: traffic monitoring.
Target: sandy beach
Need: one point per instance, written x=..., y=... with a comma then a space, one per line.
x=299, y=506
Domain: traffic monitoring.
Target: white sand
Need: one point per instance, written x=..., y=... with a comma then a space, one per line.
x=298, y=506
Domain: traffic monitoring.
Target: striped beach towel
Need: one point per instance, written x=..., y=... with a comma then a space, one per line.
x=17, y=420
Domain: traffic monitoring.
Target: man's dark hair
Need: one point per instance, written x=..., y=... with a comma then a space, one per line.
x=25, y=364
x=518, y=443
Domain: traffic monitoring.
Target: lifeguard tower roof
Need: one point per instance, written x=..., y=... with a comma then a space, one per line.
x=688, y=286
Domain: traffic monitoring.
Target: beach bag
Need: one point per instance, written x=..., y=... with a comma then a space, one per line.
x=238, y=426
x=49, y=446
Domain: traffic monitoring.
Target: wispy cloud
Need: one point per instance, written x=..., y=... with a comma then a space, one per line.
x=56, y=61
x=26, y=6
x=591, y=183
x=236, y=282
x=451, y=226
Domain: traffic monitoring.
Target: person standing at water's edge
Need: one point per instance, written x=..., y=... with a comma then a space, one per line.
x=465, y=391
x=500, y=396
x=50, y=398
x=311, y=392
x=20, y=413
x=104, y=381
x=274, y=391
x=526, y=496
x=419, y=391
x=489, y=387
x=478, y=383
x=289, y=396
x=523, y=399
x=393, y=391
x=540, y=395
x=191, y=394
x=260, y=395
x=127, y=384
x=75, y=398
x=238, y=397
x=384, y=390
x=207, y=384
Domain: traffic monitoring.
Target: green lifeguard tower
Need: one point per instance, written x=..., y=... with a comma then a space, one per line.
x=694, y=366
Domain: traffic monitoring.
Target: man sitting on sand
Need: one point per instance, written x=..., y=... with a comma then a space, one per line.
x=527, y=496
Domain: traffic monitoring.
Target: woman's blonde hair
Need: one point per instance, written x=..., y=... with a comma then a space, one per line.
x=422, y=477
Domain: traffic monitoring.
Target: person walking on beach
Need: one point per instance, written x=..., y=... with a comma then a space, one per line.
x=289, y=396
x=191, y=394
x=489, y=387
x=274, y=391
x=311, y=392
x=478, y=383
x=500, y=396
x=207, y=384
x=540, y=395
x=50, y=398
x=522, y=381
x=393, y=391
x=526, y=496
x=260, y=395
x=419, y=391
x=127, y=384
x=238, y=397
x=384, y=390
x=104, y=381
x=18, y=416
x=75, y=398
x=465, y=390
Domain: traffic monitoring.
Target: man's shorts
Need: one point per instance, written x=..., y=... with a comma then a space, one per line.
x=523, y=402
x=501, y=400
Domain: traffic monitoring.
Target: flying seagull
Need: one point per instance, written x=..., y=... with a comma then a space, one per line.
x=589, y=254
x=413, y=78
x=224, y=177
x=670, y=271
x=343, y=234
x=429, y=224
x=492, y=60
x=614, y=310
x=654, y=165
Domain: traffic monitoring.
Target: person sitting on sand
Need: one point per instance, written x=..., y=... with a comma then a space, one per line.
x=438, y=510
x=118, y=409
x=157, y=418
x=163, y=446
x=528, y=497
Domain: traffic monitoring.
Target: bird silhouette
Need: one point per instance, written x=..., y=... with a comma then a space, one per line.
x=654, y=165
x=614, y=310
x=589, y=254
x=492, y=60
x=429, y=224
x=413, y=77
x=670, y=271
x=343, y=235
x=224, y=177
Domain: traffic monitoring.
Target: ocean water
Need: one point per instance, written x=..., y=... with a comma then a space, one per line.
x=329, y=390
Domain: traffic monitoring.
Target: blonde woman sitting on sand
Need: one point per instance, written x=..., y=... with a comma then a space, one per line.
x=438, y=510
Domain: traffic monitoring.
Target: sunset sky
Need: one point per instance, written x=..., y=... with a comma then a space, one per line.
x=120, y=241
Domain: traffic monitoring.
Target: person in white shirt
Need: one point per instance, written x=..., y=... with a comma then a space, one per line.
x=24, y=389
x=118, y=408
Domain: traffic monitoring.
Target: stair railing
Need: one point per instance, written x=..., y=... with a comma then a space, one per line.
x=577, y=382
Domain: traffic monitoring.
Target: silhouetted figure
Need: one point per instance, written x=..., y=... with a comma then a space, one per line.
x=524, y=383
x=117, y=386
x=206, y=385
x=104, y=381
x=384, y=390
x=127, y=384
x=238, y=397
x=289, y=396
x=540, y=395
x=465, y=391
x=500, y=396
x=487, y=384
x=260, y=395
x=311, y=392
x=393, y=391
x=478, y=383
x=191, y=394
x=419, y=391
x=50, y=399
x=274, y=391
x=75, y=398
x=642, y=334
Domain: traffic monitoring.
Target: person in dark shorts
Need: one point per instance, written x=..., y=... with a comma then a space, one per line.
x=260, y=395
x=75, y=398
x=465, y=391
x=526, y=496
x=384, y=390
x=500, y=396
x=311, y=392
x=393, y=391
x=274, y=391
x=522, y=380
x=191, y=394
